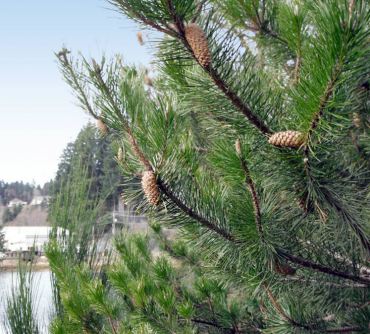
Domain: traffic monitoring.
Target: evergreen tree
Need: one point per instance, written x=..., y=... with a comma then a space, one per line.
x=12, y=190
x=2, y=241
x=11, y=213
x=97, y=156
x=253, y=142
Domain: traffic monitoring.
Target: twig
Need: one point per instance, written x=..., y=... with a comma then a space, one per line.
x=138, y=152
x=252, y=190
x=280, y=310
x=146, y=21
x=297, y=69
x=323, y=103
x=237, y=102
x=97, y=73
x=112, y=325
x=191, y=213
x=208, y=323
x=199, y=10
x=319, y=267
x=62, y=55
x=344, y=329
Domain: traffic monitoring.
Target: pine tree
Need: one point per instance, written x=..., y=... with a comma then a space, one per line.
x=252, y=142
x=97, y=156
x=2, y=240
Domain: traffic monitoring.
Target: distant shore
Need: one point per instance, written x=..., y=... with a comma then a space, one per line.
x=40, y=263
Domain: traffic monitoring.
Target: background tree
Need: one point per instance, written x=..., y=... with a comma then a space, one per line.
x=96, y=154
x=253, y=142
x=12, y=190
x=2, y=241
x=10, y=214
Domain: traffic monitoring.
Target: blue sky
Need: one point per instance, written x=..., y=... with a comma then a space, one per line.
x=38, y=112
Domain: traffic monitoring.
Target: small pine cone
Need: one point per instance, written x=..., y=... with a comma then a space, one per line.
x=102, y=126
x=238, y=147
x=120, y=154
x=140, y=38
x=148, y=81
x=356, y=120
x=197, y=40
x=150, y=187
x=293, y=139
x=284, y=269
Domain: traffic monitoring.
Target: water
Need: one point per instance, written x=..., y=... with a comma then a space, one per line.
x=43, y=297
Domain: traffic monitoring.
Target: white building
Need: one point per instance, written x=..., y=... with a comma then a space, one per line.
x=38, y=200
x=16, y=201
x=21, y=238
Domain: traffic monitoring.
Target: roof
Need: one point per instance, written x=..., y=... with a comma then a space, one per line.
x=16, y=200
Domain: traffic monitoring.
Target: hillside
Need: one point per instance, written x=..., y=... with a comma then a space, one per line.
x=31, y=216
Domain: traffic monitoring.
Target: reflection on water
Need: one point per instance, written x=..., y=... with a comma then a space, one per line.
x=43, y=297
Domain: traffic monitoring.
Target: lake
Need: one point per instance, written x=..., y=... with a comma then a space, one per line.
x=43, y=295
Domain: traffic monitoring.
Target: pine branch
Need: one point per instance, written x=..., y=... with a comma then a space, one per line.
x=252, y=190
x=111, y=323
x=344, y=330
x=220, y=83
x=273, y=34
x=280, y=310
x=162, y=186
x=200, y=6
x=137, y=151
x=329, y=90
x=212, y=324
x=297, y=68
x=104, y=87
x=319, y=267
x=141, y=18
x=236, y=101
x=192, y=214
x=208, y=323
x=310, y=327
x=67, y=66
x=323, y=104
x=135, y=147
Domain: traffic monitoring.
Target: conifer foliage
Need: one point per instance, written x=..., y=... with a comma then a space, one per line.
x=252, y=141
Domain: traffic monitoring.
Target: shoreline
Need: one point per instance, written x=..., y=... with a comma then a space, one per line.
x=39, y=264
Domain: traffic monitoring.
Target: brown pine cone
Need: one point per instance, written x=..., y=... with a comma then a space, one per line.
x=102, y=126
x=197, y=40
x=150, y=187
x=293, y=139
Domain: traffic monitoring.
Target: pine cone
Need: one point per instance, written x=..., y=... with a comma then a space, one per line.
x=356, y=120
x=238, y=147
x=150, y=187
x=120, y=154
x=284, y=269
x=197, y=40
x=102, y=126
x=148, y=81
x=293, y=139
x=140, y=38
